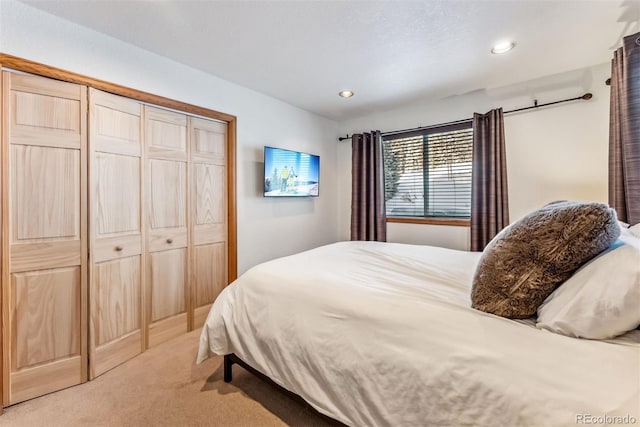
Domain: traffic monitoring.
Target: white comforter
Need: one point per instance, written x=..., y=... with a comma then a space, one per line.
x=376, y=334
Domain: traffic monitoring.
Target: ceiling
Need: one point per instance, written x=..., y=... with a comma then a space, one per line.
x=388, y=52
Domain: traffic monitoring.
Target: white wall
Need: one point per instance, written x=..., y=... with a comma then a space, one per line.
x=267, y=228
x=557, y=152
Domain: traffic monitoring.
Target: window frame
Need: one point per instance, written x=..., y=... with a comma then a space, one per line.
x=428, y=130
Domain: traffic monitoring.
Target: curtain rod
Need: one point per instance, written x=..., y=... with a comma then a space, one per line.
x=586, y=97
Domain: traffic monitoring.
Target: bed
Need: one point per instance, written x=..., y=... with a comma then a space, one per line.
x=376, y=334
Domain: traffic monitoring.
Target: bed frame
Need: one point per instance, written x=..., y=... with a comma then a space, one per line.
x=230, y=360
x=233, y=359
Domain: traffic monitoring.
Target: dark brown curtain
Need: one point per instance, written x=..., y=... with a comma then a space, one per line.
x=489, y=200
x=368, y=216
x=624, y=131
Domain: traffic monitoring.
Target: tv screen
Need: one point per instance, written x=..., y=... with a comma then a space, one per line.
x=290, y=173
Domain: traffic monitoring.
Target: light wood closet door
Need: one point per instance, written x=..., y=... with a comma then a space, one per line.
x=208, y=216
x=44, y=274
x=116, y=253
x=167, y=246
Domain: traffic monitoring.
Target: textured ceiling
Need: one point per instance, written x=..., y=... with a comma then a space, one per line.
x=387, y=52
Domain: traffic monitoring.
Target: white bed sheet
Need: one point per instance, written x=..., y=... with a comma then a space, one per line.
x=375, y=334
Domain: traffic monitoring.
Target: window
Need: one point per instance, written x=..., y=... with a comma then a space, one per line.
x=427, y=173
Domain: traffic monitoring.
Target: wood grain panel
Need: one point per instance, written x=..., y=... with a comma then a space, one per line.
x=51, y=254
x=212, y=143
x=210, y=273
x=49, y=87
x=200, y=316
x=210, y=180
x=42, y=138
x=167, y=274
x=208, y=141
x=204, y=234
x=117, y=166
x=117, y=104
x=50, y=112
x=163, y=239
x=45, y=112
x=210, y=194
x=45, y=193
x=44, y=236
x=115, y=299
x=166, y=329
x=117, y=247
x=166, y=134
x=168, y=197
x=46, y=316
x=115, y=353
x=33, y=382
x=117, y=193
x=117, y=125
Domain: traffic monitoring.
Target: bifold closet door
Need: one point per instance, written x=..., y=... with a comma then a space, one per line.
x=167, y=245
x=208, y=148
x=44, y=243
x=116, y=249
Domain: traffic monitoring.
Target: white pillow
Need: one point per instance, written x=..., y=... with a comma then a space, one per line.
x=602, y=299
x=635, y=229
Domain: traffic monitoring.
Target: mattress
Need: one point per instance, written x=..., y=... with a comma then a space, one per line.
x=377, y=334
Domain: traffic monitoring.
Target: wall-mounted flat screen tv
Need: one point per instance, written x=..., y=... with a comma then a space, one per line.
x=290, y=173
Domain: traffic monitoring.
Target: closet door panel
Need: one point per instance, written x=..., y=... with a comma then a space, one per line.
x=160, y=240
x=208, y=141
x=166, y=134
x=116, y=199
x=47, y=254
x=168, y=194
x=45, y=378
x=117, y=193
x=168, y=279
x=209, y=213
x=167, y=282
x=117, y=247
x=111, y=291
x=210, y=192
x=210, y=272
x=47, y=180
x=47, y=316
x=45, y=112
x=167, y=239
x=44, y=287
x=116, y=125
x=117, y=324
x=208, y=220
x=210, y=278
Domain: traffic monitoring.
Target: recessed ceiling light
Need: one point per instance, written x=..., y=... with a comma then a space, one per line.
x=345, y=94
x=503, y=47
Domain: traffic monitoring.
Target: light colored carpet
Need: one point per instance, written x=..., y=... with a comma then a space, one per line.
x=164, y=387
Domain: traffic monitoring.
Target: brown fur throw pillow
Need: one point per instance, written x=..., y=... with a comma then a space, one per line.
x=526, y=261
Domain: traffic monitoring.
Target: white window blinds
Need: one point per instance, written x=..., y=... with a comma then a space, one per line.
x=428, y=173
